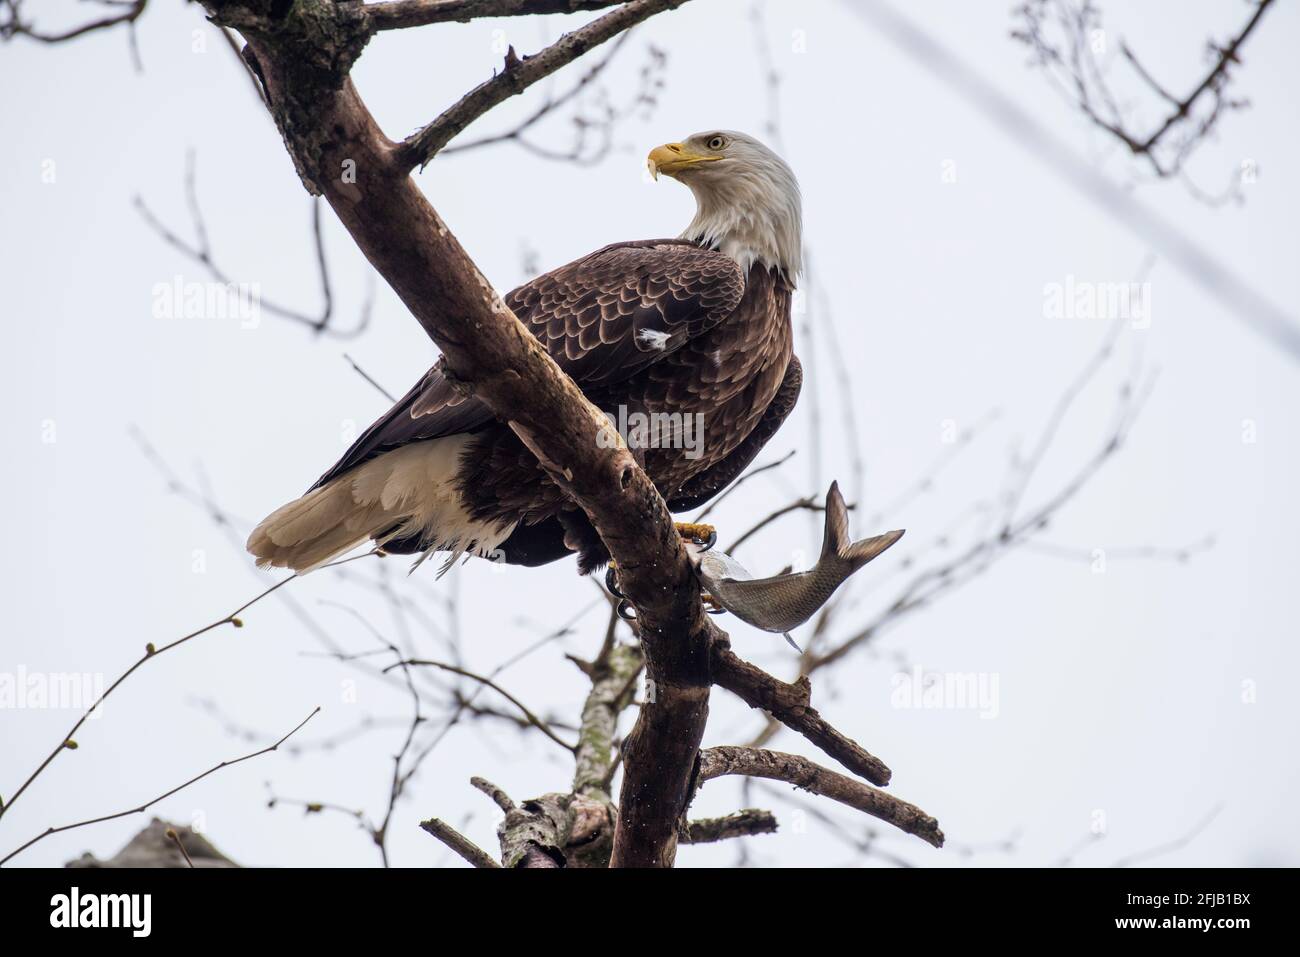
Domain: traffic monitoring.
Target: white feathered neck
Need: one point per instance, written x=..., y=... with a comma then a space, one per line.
x=749, y=207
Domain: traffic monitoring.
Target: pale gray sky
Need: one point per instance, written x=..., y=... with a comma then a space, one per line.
x=1120, y=694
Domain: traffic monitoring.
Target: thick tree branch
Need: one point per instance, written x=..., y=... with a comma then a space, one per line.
x=400, y=14
x=340, y=152
x=789, y=704
x=613, y=680
x=802, y=773
x=554, y=830
x=518, y=75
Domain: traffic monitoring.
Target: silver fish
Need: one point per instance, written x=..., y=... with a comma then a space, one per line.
x=783, y=602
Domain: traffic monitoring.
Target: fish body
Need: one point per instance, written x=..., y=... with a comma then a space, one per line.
x=783, y=602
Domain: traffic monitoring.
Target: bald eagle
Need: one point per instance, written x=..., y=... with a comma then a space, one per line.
x=693, y=333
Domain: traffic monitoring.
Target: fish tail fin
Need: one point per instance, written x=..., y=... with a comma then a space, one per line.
x=836, y=543
x=859, y=553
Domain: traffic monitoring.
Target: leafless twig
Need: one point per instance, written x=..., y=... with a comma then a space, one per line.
x=518, y=74
x=126, y=12
x=151, y=652
x=175, y=838
x=201, y=252
x=1065, y=37
x=594, y=122
x=488, y=682
x=166, y=794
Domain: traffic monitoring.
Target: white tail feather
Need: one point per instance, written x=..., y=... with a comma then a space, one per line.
x=409, y=491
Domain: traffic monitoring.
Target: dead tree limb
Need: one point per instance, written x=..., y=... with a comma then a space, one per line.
x=517, y=75
x=401, y=14
x=1069, y=60
x=12, y=24
x=802, y=773
x=789, y=704
x=744, y=823
x=459, y=843
x=303, y=58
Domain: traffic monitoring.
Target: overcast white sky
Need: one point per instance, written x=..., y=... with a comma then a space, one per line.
x=1120, y=694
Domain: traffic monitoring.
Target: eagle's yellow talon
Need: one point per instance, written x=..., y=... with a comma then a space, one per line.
x=697, y=532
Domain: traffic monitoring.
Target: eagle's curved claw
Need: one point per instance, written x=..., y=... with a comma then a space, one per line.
x=712, y=606
x=626, y=610
x=611, y=581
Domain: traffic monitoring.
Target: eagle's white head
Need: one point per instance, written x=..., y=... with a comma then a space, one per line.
x=747, y=198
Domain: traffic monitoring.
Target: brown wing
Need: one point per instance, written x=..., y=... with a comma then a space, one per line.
x=602, y=318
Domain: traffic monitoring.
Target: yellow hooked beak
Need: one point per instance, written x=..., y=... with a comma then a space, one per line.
x=672, y=158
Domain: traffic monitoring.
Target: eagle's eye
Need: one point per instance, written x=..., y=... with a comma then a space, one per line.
x=716, y=143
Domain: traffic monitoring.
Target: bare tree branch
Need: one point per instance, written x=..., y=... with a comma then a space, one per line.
x=459, y=843
x=69, y=742
x=498, y=796
x=402, y=14
x=802, y=773
x=201, y=253
x=1070, y=61
x=1239, y=298
x=789, y=704
x=744, y=823
x=756, y=471
x=613, y=681
x=585, y=125
x=532, y=718
x=139, y=809
x=517, y=75
x=12, y=24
